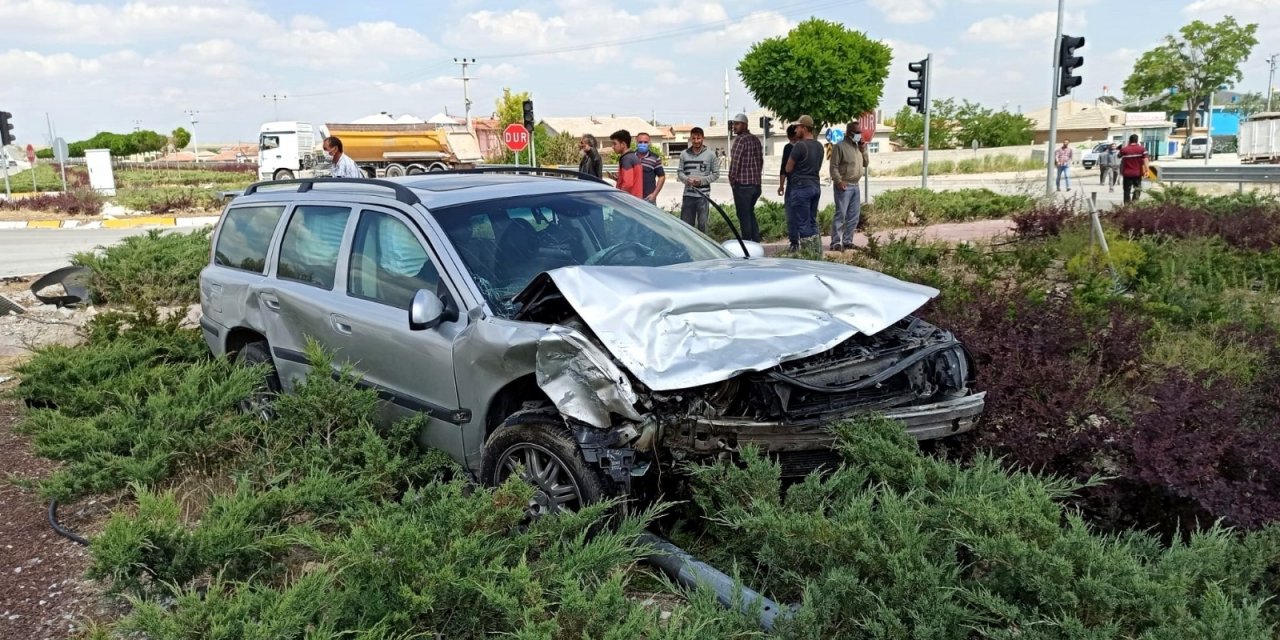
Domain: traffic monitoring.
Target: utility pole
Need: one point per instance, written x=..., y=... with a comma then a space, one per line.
x=195, y=146
x=137, y=125
x=726, y=98
x=466, y=97
x=1271, y=78
x=928, y=111
x=1053, y=106
x=275, y=99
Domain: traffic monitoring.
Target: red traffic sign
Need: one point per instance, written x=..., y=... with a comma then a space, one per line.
x=31, y=154
x=867, y=122
x=515, y=136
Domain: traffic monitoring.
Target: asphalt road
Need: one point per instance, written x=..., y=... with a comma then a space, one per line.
x=39, y=251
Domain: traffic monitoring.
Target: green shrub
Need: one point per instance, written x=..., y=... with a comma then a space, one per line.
x=894, y=208
x=78, y=201
x=157, y=200
x=159, y=176
x=1124, y=258
x=156, y=268
x=48, y=178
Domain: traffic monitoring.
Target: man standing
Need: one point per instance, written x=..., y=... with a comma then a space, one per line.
x=1108, y=166
x=803, y=166
x=745, y=167
x=1062, y=158
x=784, y=187
x=848, y=161
x=343, y=165
x=630, y=173
x=1133, y=165
x=699, y=167
x=590, y=164
x=654, y=175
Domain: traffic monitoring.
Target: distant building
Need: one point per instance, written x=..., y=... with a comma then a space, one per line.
x=1225, y=122
x=603, y=127
x=1085, y=122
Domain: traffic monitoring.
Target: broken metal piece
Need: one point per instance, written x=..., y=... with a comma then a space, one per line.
x=581, y=380
x=8, y=306
x=74, y=280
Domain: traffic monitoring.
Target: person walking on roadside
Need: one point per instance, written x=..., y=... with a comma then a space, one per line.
x=343, y=165
x=848, y=162
x=699, y=167
x=654, y=175
x=1109, y=163
x=1134, y=164
x=803, y=167
x=745, y=166
x=784, y=187
x=630, y=174
x=590, y=164
x=1062, y=159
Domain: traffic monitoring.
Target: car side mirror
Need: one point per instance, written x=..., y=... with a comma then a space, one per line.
x=426, y=311
x=754, y=249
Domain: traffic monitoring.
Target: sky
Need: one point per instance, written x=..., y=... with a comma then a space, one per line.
x=113, y=66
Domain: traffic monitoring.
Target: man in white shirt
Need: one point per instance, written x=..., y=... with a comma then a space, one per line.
x=343, y=165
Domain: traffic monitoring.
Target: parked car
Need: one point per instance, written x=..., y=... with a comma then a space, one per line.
x=1090, y=159
x=1198, y=147
x=554, y=325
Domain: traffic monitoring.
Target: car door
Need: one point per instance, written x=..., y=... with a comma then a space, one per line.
x=387, y=262
x=297, y=299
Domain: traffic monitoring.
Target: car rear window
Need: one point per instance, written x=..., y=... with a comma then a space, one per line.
x=245, y=237
x=309, y=251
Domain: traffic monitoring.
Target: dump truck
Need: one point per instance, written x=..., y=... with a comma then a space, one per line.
x=292, y=149
x=1260, y=139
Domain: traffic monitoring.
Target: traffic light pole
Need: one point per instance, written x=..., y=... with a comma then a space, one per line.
x=928, y=110
x=1053, y=106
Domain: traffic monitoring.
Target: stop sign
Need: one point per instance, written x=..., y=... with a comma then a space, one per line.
x=515, y=136
x=31, y=155
x=868, y=125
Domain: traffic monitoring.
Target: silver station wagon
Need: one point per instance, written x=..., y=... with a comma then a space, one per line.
x=550, y=325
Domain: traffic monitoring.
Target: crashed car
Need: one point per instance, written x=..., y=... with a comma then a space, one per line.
x=549, y=325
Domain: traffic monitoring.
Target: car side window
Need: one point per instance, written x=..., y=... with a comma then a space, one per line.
x=309, y=250
x=245, y=236
x=388, y=263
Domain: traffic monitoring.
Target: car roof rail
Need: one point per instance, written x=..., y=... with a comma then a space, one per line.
x=403, y=194
x=550, y=172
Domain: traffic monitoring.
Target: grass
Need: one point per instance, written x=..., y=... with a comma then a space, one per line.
x=915, y=206
x=157, y=200
x=1002, y=163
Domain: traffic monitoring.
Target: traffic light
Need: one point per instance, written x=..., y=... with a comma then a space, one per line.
x=1068, y=61
x=6, y=129
x=528, y=115
x=921, y=69
x=766, y=125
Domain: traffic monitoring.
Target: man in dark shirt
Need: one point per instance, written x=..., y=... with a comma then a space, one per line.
x=747, y=163
x=590, y=164
x=1133, y=165
x=654, y=175
x=803, y=166
x=783, y=186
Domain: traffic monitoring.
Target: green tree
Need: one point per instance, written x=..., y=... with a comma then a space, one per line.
x=181, y=137
x=1249, y=104
x=1194, y=63
x=908, y=126
x=821, y=69
x=510, y=107
x=991, y=128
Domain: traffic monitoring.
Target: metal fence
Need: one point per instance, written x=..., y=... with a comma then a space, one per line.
x=1239, y=174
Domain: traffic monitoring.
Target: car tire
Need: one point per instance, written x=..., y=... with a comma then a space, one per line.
x=262, y=401
x=551, y=461
x=282, y=174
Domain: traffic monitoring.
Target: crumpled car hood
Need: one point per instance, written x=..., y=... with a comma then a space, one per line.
x=703, y=322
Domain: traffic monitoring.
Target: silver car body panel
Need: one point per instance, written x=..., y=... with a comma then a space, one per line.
x=698, y=323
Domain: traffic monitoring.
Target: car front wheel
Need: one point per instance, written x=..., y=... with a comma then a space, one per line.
x=262, y=402
x=541, y=451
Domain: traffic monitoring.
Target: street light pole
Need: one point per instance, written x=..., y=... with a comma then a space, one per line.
x=1053, y=105
x=1271, y=78
x=195, y=146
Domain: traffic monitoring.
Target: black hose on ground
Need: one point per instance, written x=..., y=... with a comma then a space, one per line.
x=61, y=530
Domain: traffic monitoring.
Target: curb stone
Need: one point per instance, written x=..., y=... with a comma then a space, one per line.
x=112, y=223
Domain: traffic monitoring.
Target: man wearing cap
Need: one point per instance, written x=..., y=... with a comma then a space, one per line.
x=848, y=161
x=746, y=163
x=803, y=167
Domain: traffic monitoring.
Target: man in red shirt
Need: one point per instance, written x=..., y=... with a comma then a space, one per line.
x=630, y=169
x=1133, y=165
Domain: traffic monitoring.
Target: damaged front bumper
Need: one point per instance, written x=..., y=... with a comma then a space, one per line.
x=705, y=436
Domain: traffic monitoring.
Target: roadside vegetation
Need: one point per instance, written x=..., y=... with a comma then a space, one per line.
x=154, y=269
x=1002, y=163
x=1121, y=484
x=144, y=188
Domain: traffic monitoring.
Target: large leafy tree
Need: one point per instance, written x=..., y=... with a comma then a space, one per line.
x=908, y=126
x=1193, y=63
x=991, y=128
x=510, y=107
x=1249, y=104
x=180, y=138
x=821, y=69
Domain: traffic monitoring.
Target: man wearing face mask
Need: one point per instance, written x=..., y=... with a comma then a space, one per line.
x=654, y=175
x=343, y=165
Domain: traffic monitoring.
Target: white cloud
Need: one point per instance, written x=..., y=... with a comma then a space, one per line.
x=303, y=22
x=1012, y=31
x=362, y=45
x=907, y=11
x=64, y=21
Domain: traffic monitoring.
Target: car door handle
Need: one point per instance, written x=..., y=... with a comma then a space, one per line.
x=341, y=324
x=271, y=302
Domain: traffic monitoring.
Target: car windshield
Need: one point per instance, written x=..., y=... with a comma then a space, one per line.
x=1100, y=148
x=506, y=242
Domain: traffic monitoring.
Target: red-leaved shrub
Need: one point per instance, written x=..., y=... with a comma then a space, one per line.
x=1256, y=228
x=79, y=202
x=1042, y=221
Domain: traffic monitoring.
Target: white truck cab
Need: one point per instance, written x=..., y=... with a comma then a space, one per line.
x=287, y=150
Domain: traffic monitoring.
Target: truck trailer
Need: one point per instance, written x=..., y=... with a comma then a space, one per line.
x=1259, y=141
x=292, y=149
